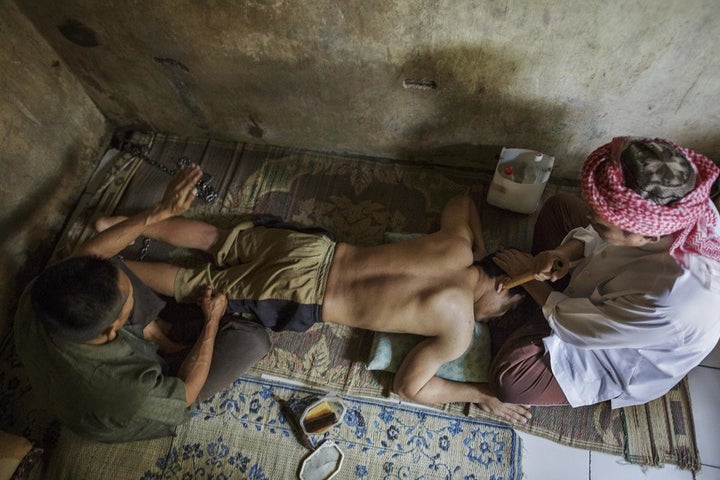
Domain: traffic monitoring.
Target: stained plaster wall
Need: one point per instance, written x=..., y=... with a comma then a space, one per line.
x=51, y=135
x=402, y=78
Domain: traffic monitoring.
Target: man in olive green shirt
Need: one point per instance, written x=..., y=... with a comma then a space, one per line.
x=96, y=356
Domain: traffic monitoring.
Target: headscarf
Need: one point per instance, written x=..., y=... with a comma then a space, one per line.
x=691, y=218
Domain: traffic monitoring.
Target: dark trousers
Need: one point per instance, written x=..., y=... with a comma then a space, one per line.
x=520, y=372
x=239, y=344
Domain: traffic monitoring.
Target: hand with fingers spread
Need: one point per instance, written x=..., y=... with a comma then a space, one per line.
x=510, y=412
x=180, y=192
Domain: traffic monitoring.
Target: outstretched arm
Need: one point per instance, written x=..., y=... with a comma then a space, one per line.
x=177, y=199
x=416, y=380
x=461, y=217
x=196, y=367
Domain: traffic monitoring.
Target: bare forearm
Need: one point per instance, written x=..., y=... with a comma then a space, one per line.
x=176, y=200
x=439, y=391
x=196, y=367
x=111, y=241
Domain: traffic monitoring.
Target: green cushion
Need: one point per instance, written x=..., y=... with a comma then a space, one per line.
x=390, y=349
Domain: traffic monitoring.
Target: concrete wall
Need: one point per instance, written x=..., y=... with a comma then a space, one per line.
x=400, y=78
x=51, y=135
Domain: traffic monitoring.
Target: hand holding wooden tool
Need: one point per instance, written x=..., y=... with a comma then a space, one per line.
x=526, y=277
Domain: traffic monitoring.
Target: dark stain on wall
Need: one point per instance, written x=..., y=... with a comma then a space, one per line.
x=78, y=33
x=187, y=97
x=420, y=84
x=176, y=72
x=171, y=62
x=254, y=129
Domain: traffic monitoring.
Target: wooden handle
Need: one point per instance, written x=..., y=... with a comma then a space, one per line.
x=526, y=277
x=519, y=280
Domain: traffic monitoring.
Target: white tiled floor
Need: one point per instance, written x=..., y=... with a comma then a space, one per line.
x=546, y=460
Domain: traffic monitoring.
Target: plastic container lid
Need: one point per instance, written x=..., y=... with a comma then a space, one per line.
x=324, y=463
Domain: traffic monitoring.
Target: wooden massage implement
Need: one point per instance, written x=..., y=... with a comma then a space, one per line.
x=526, y=277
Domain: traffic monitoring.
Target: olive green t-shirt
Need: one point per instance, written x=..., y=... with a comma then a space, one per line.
x=113, y=392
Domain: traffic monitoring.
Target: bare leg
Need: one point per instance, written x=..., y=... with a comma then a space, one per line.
x=178, y=231
x=158, y=276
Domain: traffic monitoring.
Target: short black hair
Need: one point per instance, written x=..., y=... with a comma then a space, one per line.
x=493, y=271
x=78, y=298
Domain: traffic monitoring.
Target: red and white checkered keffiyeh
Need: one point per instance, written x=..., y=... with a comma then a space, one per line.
x=692, y=218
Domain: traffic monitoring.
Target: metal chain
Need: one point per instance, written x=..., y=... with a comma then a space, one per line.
x=203, y=189
x=141, y=152
x=144, y=249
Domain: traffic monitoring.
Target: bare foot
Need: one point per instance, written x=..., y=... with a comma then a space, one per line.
x=103, y=223
x=153, y=332
x=508, y=411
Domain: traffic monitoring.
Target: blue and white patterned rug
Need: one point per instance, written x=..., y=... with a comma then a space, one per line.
x=241, y=434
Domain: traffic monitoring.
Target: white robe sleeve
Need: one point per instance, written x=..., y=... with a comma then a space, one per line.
x=630, y=321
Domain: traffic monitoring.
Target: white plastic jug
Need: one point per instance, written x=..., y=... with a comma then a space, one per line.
x=519, y=179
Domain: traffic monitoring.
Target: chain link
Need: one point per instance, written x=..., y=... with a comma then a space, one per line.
x=144, y=249
x=141, y=152
x=203, y=189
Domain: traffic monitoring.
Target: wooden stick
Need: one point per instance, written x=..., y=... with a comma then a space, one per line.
x=519, y=280
x=526, y=277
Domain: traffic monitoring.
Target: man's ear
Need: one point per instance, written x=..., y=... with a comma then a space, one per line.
x=500, y=282
x=652, y=239
x=107, y=335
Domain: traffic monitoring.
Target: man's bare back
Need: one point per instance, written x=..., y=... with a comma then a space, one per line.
x=399, y=287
